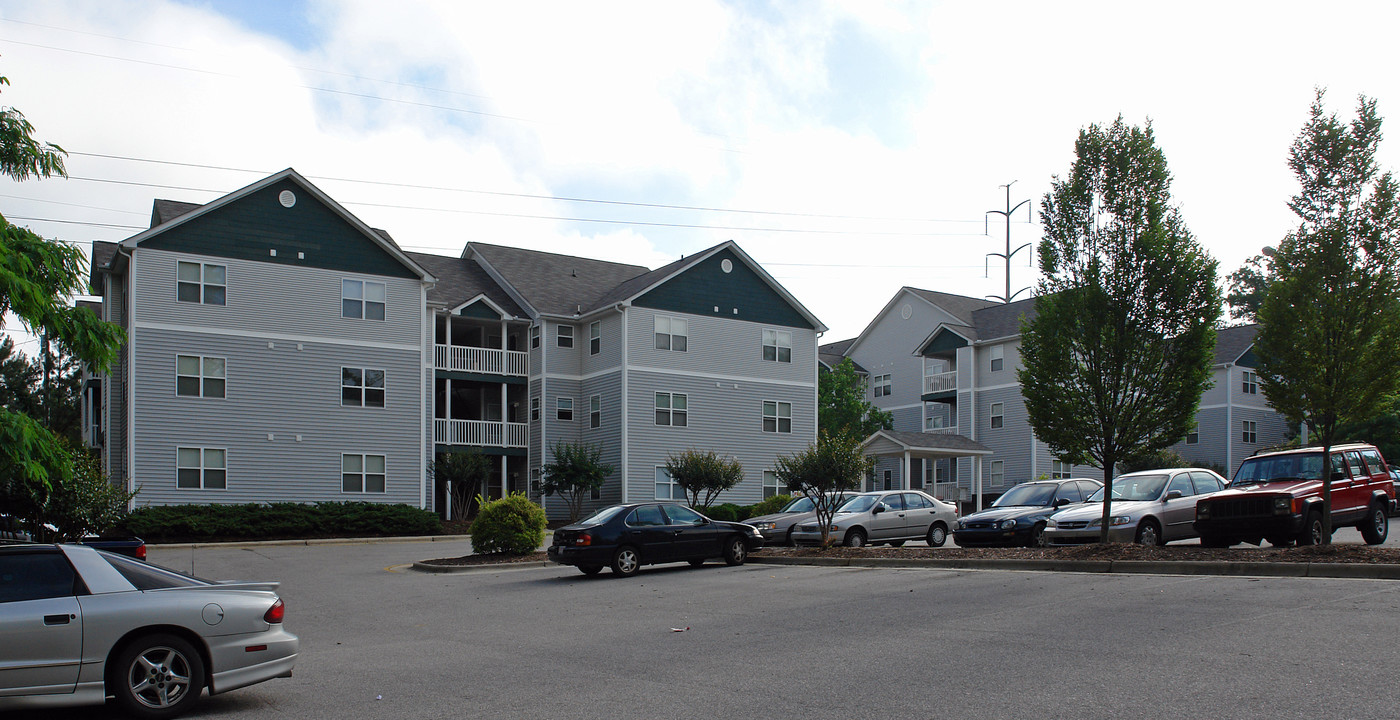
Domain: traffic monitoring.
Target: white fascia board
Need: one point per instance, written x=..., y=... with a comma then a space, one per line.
x=918, y=349
x=481, y=298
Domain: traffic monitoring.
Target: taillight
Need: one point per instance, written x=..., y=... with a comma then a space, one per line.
x=584, y=539
x=141, y=551
x=274, y=614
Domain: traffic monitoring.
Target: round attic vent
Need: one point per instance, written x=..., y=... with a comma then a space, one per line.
x=287, y=198
x=726, y=265
x=906, y=311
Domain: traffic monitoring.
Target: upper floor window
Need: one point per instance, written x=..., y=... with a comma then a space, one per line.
x=200, y=283
x=534, y=336
x=672, y=409
x=595, y=337
x=777, y=345
x=361, y=387
x=1249, y=432
x=564, y=409
x=534, y=409
x=566, y=336
x=362, y=299
x=197, y=376
x=998, y=415
x=882, y=385
x=998, y=357
x=595, y=411
x=671, y=333
x=200, y=469
x=362, y=473
x=777, y=417
x=1194, y=436
x=1251, y=383
x=1059, y=470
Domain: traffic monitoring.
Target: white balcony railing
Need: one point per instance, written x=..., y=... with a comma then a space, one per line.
x=481, y=360
x=939, y=425
x=480, y=432
x=940, y=382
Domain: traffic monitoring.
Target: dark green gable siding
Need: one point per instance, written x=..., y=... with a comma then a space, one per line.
x=1248, y=359
x=702, y=288
x=480, y=310
x=250, y=227
x=943, y=343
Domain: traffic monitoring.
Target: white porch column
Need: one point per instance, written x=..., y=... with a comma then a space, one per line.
x=905, y=484
x=504, y=479
x=977, y=481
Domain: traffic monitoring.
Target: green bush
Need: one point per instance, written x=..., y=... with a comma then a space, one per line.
x=511, y=525
x=163, y=523
x=727, y=511
x=768, y=506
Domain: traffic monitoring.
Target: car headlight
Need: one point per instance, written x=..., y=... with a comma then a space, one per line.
x=960, y=524
x=1203, y=511
x=1282, y=506
x=1120, y=520
x=765, y=525
x=1007, y=524
x=1052, y=523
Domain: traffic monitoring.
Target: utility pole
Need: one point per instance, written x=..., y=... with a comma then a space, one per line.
x=1008, y=297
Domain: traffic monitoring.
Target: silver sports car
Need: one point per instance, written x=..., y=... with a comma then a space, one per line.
x=78, y=625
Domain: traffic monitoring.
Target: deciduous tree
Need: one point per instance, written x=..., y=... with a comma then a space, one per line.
x=822, y=472
x=577, y=470
x=703, y=475
x=842, y=407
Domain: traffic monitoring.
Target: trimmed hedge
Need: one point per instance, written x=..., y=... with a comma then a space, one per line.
x=511, y=525
x=740, y=513
x=727, y=511
x=278, y=521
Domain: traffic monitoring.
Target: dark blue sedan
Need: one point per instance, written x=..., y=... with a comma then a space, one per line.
x=1018, y=516
x=626, y=537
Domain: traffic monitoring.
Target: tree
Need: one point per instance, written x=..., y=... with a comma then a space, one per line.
x=18, y=378
x=465, y=473
x=1330, y=319
x=703, y=473
x=577, y=471
x=1381, y=430
x=1247, y=285
x=87, y=505
x=1119, y=351
x=842, y=407
x=823, y=471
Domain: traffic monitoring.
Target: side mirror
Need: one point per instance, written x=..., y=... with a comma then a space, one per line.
x=1060, y=502
x=879, y=508
x=1173, y=494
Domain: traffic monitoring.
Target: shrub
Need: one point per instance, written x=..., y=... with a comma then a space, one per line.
x=279, y=520
x=727, y=511
x=768, y=506
x=511, y=525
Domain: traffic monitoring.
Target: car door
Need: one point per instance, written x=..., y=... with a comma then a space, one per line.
x=40, y=622
x=918, y=514
x=695, y=536
x=1346, y=507
x=646, y=526
x=1179, y=513
x=888, y=523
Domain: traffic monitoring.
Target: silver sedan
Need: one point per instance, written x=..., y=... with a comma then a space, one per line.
x=884, y=517
x=1151, y=507
x=80, y=625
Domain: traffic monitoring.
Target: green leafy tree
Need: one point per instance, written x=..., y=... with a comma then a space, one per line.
x=1329, y=323
x=465, y=473
x=1246, y=287
x=1382, y=430
x=823, y=471
x=577, y=470
x=842, y=407
x=703, y=475
x=89, y=504
x=1119, y=351
x=18, y=378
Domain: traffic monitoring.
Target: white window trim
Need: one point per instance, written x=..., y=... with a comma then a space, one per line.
x=1250, y=382
x=534, y=336
x=777, y=417
x=670, y=481
x=1060, y=470
x=559, y=402
x=1249, y=431
x=364, y=389
x=997, y=412
x=564, y=332
x=363, y=474
x=1193, y=436
x=996, y=469
x=595, y=337
x=595, y=401
x=882, y=385
x=998, y=355
x=363, y=300
x=202, y=467
x=777, y=484
x=202, y=377
x=202, y=283
x=670, y=333
x=535, y=409
x=777, y=344
x=670, y=408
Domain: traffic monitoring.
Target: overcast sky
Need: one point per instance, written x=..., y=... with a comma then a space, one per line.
x=851, y=148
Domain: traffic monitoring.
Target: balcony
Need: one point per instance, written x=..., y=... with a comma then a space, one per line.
x=483, y=433
x=491, y=361
x=941, y=382
x=939, y=425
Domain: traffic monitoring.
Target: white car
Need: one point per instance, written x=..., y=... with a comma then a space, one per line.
x=1152, y=507
x=79, y=625
x=887, y=516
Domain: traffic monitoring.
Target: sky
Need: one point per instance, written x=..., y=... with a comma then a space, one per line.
x=851, y=148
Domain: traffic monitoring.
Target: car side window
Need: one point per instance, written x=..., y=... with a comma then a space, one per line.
x=1069, y=491
x=37, y=576
x=1358, y=468
x=1339, y=464
x=1181, y=482
x=646, y=516
x=1373, y=461
x=1088, y=488
x=894, y=502
x=915, y=501
x=1205, y=483
x=683, y=515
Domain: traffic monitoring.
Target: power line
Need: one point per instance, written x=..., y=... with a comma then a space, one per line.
x=76, y=205
x=77, y=222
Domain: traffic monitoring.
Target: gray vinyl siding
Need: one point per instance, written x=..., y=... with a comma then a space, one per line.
x=115, y=389
x=908, y=419
x=562, y=360
x=607, y=436
x=888, y=346
x=563, y=431
x=720, y=346
x=309, y=429
x=1011, y=443
x=610, y=354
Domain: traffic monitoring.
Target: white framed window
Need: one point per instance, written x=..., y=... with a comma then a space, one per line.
x=534, y=336
x=362, y=387
x=998, y=473
x=672, y=409
x=671, y=333
x=771, y=485
x=362, y=299
x=201, y=283
x=564, y=409
x=201, y=468
x=565, y=336
x=1194, y=436
x=1250, y=382
x=362, y=473
x=534, y=409
x=777, y=345
x=199, y=376
x=777, y=417
x=595, y=337
x=882, y=385
x=1060, y=470
x=998, y=415
x=666, y=488
x=998, y=354
x=595, y=411
x=1248, y=432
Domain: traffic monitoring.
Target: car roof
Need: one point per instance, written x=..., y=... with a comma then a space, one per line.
x=1315, y=449
x=1158, y=471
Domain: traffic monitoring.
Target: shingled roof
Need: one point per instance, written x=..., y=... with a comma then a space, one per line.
x=831, y=354
x=1232, y=342
x=553, y=283
x=459, y=280
x=163, y=211
x=959, y=306
x=1001, y=320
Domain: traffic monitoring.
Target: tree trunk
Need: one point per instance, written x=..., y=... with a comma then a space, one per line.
x=1326, y=492
x=1107, y=501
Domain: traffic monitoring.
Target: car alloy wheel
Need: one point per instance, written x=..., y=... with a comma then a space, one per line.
x=626, y=561
x=161, y=676
x=736, y=552
x=1038, y=538
x=855, y=538
x=937, y=535
x=1148, y=534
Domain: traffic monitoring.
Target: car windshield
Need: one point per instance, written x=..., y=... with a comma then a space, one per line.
x=1026, y=495
x=1300, y=466
x=1134, y=487
x=602, y=516
x=859, y=503
x=144, y=576
x=800, y=505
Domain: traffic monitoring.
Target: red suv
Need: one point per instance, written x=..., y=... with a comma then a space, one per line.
x=1277, y=496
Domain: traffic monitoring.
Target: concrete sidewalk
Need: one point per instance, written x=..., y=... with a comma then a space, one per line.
x=1370, y=571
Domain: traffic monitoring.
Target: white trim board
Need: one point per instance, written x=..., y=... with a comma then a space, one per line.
x=274, y=336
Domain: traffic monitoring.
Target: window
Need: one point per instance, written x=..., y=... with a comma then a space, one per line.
x=1249, y=435
x=777, y=417
x=595, y=411
x=362, y=473
x=534, y=336
x=666, y=488
x=998, y=357
x=565, y=334
x=771, y=485
x=1069, y=491
x=534, y=409
x=361, y=387
x=200, y=283
x=1182, y=484
x=882, y=385
x=362, y=299
x=595, y=337
x=1204, y=482
x=889, y=480
x=671, y=333
x=998, y=415
x=36, y=576
x=1194, y=436
x=646, y=516
x=564, y=408
x=197, y=376
x=1251, y=382
x=671, y=409
x=1060, y=470
x=200, y=469
x=777, y=345
x=998, y=473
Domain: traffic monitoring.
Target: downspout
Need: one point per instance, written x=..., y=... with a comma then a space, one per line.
x=1229, y=421
x=972, y=421
x=544, y=385
x=621, y=309
x=129, y=379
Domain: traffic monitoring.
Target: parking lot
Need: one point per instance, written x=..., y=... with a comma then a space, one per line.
x=380, y=641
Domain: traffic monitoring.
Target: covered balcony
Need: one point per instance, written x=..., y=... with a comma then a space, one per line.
x=474, y=341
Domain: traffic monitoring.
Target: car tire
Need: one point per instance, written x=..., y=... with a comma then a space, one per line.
x=1215, y=541
x=896, y=543
x=937, y=535
x=735, y=551
x=157, y=676
x=697, y=562
x=1038, y=538
x=590, y=569
x=855, y=538
x=1149, y=533
x=626, y=561
x=1376, y=526
x=1311, y=533
x=789, y=541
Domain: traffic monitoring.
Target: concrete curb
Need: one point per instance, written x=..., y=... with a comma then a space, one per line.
x=454, y=569
x=314, y=541
x=1365, y=571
